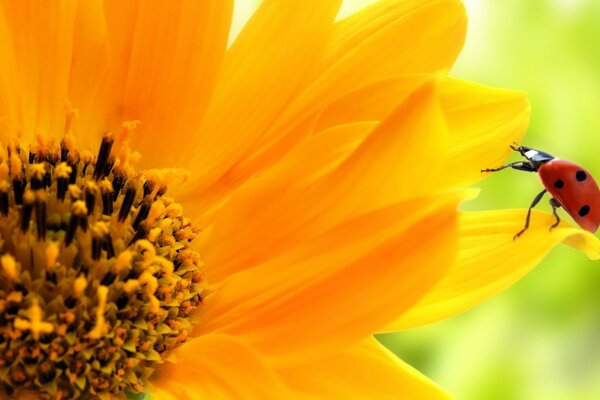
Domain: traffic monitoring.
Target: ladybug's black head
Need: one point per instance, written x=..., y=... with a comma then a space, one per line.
x=535, y=157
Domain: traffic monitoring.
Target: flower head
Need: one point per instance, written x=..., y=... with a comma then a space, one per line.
x=248, y=217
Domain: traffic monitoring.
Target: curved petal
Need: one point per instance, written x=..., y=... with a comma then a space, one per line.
x=482, y=123
x=216, y=367
x=265, y=66
x=292, y=203
x=339, y=287
x=364, y=371
x=163, y=61
x=41, y=40
x=426, y=36
x=373, y=102
x=241, y=247
x=489, y=260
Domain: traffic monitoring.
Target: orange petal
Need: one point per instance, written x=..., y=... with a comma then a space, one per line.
x=216, y=367
x=230, y=246
x=482, y=121
x=340, y=286
x=265, y=66
x=425, y=37
x=9, y=81
x=89, y=68
x=297, y=202
x=364, y=371
x=164, y=59
x=489, y=260
x=41, y=39
x=373, y=102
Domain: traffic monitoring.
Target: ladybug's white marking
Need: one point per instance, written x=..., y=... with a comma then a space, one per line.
x=531, y=153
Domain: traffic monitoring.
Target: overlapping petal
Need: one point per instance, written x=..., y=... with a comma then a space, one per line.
x=284, y=307
x=264, y=68
x=489, y=261
x=217, y=367
x=379, y=172
x=365, y=371
x=360, y=40
x=387, y=39
x=482, y=123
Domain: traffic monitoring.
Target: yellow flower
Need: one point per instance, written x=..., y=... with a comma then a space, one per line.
x=319, y=166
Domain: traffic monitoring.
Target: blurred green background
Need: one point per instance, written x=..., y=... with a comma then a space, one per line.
x=541, y=338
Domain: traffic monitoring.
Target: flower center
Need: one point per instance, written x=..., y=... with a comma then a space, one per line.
x=97, y=274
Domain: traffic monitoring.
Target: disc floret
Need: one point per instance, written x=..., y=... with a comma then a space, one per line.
x=98, y=276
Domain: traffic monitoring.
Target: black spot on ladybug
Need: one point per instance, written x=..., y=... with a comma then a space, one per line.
x=580, y=176
x=583, y=211
x=559, y=184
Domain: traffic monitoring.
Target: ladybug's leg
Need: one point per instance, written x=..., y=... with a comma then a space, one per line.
x=518, y=165
x=533, y=204
x=555, y=204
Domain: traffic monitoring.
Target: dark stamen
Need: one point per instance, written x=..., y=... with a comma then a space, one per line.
x=96, y=247
x=78, y=218
x=141, y=234
x=73, y=175
x=108, y=279
x=127, y=203
x=117, y=183
x=40, y=218
x=143, y=212
x=108, y=246
x=107, y=204
x=90, y=200
x=61, y=188
x=27, y=210
x=19, y=189
x=148, y=187
x=4, y=202
x=103, y=154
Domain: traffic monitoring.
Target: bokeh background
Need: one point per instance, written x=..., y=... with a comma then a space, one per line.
x=540, y=339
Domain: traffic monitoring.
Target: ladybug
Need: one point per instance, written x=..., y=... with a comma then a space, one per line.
x=571, y=187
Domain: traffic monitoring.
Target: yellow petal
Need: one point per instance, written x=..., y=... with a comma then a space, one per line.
x=340, y=286
x=215, y=367
x=365, y=371
x=426, y=36
x=482, y=123
x=373, y=102
x=294, y=203
x=164, y=59
x=229, y=246
x=41, y=40
x=489, y=260
x=265, y=66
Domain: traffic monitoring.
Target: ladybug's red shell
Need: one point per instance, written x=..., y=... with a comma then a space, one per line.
x=575, y=189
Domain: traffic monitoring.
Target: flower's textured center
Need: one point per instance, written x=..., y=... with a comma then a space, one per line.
x=97, y=277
